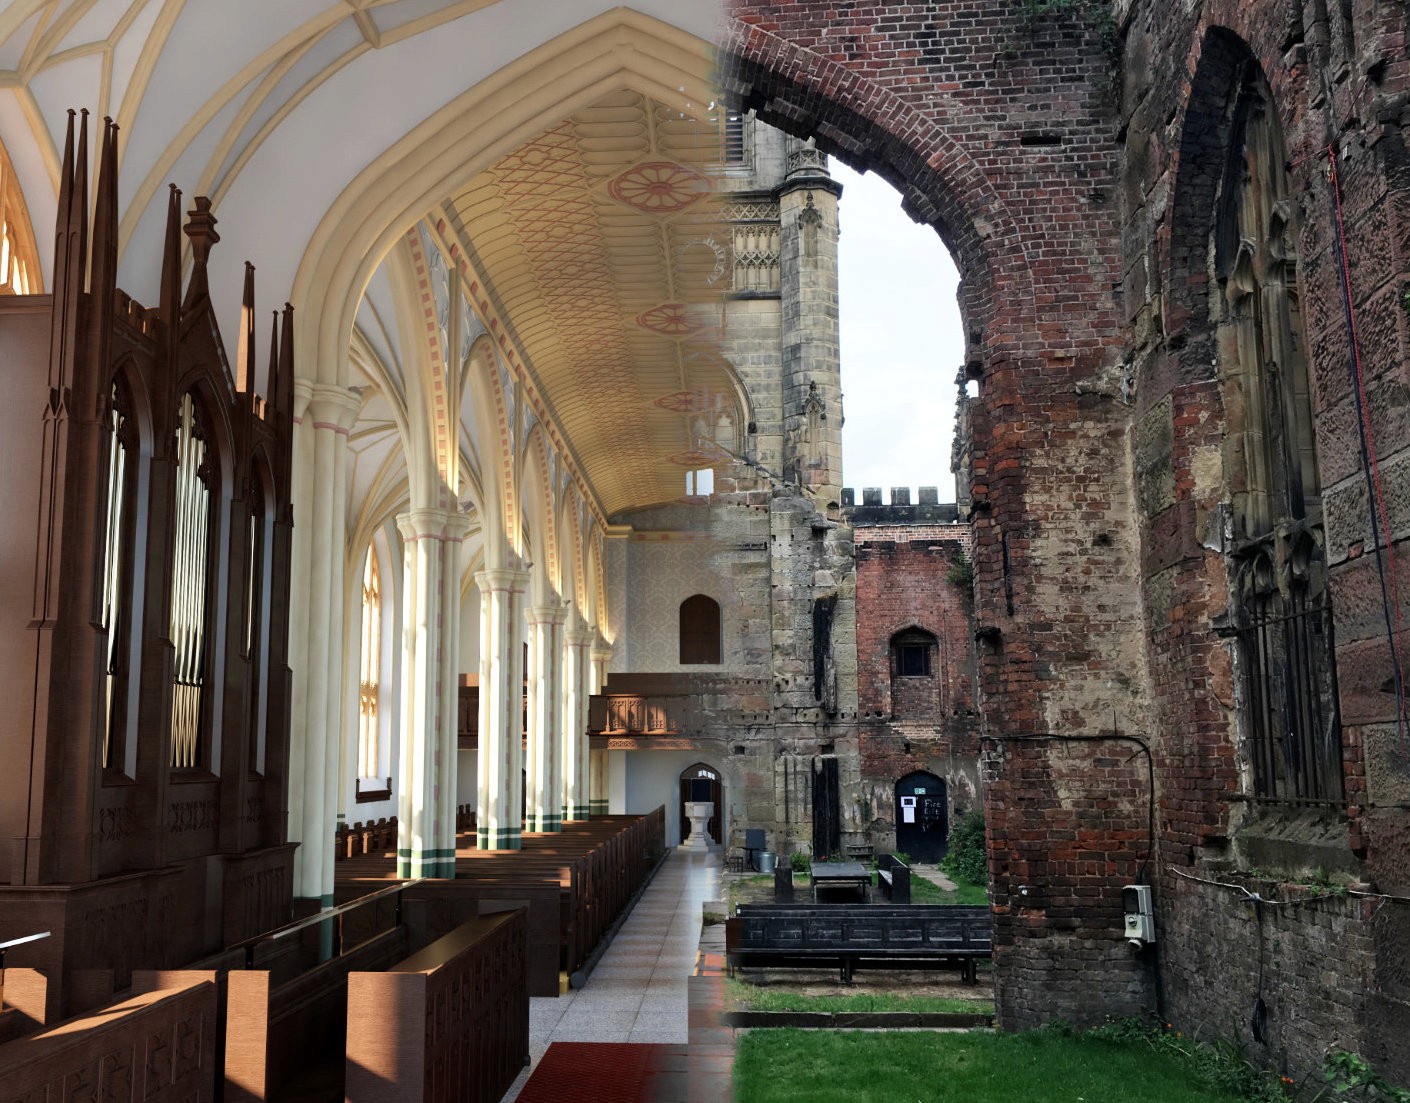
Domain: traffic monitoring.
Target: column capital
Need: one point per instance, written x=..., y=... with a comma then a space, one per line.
x=511, y=579
x=601, y=650
x=447, y=525
x=546, y=614
x=579, y=635
x=331, y=406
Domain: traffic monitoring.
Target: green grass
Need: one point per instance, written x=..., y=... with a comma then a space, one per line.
x=965, y=892
x=749, y=997
x=833, y=1066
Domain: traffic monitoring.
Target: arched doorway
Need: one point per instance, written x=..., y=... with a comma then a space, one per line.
x=701, y=782
x=922, y=817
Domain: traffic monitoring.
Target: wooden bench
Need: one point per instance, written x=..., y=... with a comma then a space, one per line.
x=449, y=1023
x=852, y=936
x=894, y=878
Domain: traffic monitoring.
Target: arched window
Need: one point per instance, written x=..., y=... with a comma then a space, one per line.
x=367, y=748
x=912, y=654
x=1280, y=608
x=915, y=662
x=700, y=631
x=117, y=601
x=19, y=259
x=190, y=583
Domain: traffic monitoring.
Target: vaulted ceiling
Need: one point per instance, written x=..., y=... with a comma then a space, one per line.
x=602, y=244
x=595, y=242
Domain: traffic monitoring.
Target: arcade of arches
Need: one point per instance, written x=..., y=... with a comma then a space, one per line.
x=537, y=500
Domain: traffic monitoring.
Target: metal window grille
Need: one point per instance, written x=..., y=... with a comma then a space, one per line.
x=1285, y=641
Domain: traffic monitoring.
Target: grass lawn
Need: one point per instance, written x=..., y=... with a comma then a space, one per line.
x=965, y=892
x=832, y=1066
x=749, y=997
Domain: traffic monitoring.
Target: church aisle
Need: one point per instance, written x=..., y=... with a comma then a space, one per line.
x=638, y=993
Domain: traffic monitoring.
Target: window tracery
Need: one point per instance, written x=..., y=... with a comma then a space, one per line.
x=1280, y=608
x=19, y=257
x=368, y=750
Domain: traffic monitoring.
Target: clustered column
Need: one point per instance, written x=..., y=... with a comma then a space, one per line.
x=499, y=804
x=431, y=541
x=320, y=496
x=597, y=757
x=544, y=781
x=576, y=681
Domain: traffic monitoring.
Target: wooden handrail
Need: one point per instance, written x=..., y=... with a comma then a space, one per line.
x=249, y=944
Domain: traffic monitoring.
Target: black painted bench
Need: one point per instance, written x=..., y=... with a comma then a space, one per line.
x=853, y=936
x=894, y=877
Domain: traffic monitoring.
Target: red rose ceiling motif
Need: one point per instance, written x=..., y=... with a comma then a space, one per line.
x=672, y=319
x=700, y=457
x=687, y=402
x=658, y=187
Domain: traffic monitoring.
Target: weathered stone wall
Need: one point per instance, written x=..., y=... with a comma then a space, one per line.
x=1328, y=973
x=1099, y=446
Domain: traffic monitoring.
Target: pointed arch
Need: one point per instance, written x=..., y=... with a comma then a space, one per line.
x=537, y=499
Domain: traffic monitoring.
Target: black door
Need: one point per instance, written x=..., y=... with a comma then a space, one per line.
x=922, y=817
x=827, y=830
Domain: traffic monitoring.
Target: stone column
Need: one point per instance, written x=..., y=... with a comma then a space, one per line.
x=316, y=651
x=544, y=755
x=425, y=781
x=499, y=807
x=576, y=680
x=597, y=757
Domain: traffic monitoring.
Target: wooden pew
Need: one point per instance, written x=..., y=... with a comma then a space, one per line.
x=158, y=1046
x=415, y=1032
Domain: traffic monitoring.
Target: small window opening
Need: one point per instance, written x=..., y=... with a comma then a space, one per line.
x=699, y=631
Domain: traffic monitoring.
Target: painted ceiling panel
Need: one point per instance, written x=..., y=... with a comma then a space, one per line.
x=328, y=47
x=129, y=48
x=13, y=48
x=73, y=84
x=96, y=24
x=600, y=239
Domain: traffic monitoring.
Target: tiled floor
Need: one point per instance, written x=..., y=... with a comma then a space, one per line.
x=639, y=990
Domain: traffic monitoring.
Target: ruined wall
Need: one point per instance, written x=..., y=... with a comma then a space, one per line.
x=1337, y=74
x=904, y=579
x=1107, y=424
x=940, y=99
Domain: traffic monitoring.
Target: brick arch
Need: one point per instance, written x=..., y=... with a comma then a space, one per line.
x=871, y=127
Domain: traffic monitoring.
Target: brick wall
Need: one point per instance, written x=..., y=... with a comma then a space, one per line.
x=1077, y=193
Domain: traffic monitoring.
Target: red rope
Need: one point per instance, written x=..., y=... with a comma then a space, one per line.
x=1362, y=406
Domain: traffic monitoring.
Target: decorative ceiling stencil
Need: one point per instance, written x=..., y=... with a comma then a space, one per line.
x=659, y=187
x=672, y=319
x=601, y=246
x=688, y=402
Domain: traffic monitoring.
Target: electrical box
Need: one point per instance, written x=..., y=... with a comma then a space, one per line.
x=1140, y=914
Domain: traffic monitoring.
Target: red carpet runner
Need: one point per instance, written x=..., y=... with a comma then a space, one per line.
x=605, y=1072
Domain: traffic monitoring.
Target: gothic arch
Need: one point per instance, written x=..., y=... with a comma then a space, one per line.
x=866, y=124
x=620, y=48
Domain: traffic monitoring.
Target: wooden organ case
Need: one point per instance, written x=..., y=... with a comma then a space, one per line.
x=144, y=584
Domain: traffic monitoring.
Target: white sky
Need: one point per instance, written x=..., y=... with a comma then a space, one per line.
x=901, y=342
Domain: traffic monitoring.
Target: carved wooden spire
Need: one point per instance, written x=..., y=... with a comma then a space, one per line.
x=200, y=228
x=245, y=350
x=286, y=368
x=271, y=379
x=171, y=262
